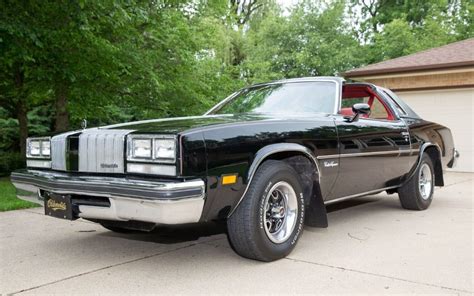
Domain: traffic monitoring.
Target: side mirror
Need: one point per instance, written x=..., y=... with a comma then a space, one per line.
x=358, y=109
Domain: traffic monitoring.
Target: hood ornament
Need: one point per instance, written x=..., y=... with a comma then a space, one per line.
x=84, y=123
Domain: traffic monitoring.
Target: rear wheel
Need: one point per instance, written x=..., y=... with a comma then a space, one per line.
x=269, y=221
x=417, y=193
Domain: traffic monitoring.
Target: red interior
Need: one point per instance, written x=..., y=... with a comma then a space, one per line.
x=361, y=91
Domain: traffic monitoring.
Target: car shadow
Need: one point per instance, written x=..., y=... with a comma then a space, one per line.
x=173, y=234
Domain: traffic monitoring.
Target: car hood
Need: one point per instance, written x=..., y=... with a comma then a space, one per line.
x=181, y=124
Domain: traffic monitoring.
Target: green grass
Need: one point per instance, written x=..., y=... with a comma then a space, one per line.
x=8, y=199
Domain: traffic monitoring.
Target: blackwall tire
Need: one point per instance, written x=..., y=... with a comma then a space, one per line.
x=417, y=193
x=269, y=221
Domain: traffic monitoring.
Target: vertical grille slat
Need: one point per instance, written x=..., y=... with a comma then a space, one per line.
x=102, y=151
x=58, y=151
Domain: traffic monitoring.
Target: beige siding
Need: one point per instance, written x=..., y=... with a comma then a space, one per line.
x=453, y=108
x=440, y=80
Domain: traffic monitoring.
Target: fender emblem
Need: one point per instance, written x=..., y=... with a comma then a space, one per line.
x=109, y=165
x=330, y=164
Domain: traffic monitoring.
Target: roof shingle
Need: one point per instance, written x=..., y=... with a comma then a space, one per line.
x=457, y=54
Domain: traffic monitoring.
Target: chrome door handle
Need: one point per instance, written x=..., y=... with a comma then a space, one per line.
x=405, y=135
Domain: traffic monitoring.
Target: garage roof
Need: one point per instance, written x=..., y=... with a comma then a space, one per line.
x=457, y=54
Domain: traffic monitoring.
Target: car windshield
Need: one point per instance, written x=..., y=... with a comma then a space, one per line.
x=296, y=97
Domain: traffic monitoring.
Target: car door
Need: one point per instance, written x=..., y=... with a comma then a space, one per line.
x=373, y=151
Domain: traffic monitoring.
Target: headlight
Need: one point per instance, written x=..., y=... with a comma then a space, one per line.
x=165, y=150
x=141, y=148
x=148, y=148
x=38, y=147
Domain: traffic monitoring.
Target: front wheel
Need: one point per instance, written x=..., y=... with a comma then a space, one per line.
x=269, y=220
x=417, y=193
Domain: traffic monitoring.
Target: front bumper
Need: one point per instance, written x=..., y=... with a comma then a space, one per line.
x=170, y=202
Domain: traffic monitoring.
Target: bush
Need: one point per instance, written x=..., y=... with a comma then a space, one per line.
x=10, y=161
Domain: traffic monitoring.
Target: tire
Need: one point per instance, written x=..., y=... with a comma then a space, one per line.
x=415, y=196
x=259, y=229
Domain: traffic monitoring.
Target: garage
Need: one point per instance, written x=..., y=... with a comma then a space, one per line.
x=439, y=85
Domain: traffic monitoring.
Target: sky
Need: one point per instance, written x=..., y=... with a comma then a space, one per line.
x=287, y=3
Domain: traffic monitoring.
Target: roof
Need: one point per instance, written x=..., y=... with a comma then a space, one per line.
x=453, y=55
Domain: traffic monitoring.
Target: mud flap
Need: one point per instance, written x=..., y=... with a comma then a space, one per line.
x=316, y=215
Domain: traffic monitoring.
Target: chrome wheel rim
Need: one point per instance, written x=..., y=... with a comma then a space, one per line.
x=281, y=211
x=425, y=181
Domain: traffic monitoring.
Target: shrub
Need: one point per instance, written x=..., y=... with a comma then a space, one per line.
x=10, y=161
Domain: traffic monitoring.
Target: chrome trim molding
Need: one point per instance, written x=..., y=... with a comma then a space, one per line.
x=398, y=152
x=266, y=151
x=328, y=202
x=63, y=183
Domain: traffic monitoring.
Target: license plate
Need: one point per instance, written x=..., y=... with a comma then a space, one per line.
x=59, y=206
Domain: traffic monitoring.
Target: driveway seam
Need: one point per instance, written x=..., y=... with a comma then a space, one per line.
x=104, y=268
x=449, y=185
x=377, y=275
x=360, y=271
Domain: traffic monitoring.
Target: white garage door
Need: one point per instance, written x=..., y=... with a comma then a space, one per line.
x=454, y=109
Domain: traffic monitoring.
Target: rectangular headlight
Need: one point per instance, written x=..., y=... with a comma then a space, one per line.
x=38, y=148
x=141, y=148
x=151, y=148
x=165, y=150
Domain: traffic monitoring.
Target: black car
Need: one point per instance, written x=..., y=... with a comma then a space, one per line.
x=266, y=160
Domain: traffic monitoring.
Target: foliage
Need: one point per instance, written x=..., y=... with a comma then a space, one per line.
x=112, y=60
x=10, y=161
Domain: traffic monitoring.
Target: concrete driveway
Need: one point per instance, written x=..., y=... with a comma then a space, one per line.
x=372, y=246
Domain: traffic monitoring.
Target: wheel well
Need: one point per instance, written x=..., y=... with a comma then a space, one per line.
x=306, y=169
x=435, y=156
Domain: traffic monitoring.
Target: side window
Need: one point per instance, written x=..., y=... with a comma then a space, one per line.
x=378, y=110
x=353, y=94
x=395, y=104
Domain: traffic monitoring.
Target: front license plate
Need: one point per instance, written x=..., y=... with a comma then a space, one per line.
x=59, y=206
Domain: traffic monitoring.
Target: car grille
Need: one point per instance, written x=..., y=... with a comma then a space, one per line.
x=58, y=151
x=102, y=151
x=94, y=151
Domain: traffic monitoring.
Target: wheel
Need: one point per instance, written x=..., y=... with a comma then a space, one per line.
x=269, y=220
x=417, y=193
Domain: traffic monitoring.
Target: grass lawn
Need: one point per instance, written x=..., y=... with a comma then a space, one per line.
x=8, y=199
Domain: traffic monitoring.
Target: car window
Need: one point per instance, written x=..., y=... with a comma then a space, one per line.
x=395, y=104
x=300, y=97
x=377, y=109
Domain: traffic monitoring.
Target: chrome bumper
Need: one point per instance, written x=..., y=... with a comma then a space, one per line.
x=130, y=199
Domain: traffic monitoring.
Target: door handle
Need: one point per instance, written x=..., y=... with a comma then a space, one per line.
x=405, y=135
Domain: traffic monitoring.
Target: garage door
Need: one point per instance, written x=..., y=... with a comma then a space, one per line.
x=454, y=109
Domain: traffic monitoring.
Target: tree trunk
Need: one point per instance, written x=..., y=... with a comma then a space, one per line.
x=62, y=113
x=21, y=109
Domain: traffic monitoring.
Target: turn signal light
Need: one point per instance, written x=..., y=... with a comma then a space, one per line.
x=229, y=179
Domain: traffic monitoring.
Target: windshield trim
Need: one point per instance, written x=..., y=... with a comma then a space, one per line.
x=337, y=83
